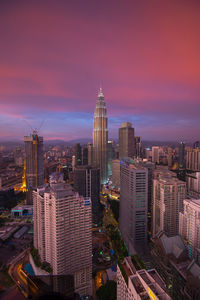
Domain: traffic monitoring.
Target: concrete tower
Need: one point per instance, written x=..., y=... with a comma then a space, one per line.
x=100, y=138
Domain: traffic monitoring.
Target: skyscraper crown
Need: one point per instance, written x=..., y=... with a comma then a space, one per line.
x=100, y=94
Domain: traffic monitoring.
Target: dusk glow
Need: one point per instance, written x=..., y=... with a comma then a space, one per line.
x=54, y=55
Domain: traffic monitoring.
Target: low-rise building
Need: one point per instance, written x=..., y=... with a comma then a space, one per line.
x=133, y=284
x=180, y=273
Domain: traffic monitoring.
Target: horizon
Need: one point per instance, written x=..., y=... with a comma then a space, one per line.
x=145, y=58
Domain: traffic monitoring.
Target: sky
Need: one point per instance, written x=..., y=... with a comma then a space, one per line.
x=55, y=54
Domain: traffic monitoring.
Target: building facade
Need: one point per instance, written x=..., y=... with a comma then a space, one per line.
x=168, y=195
x=189, y=226
x=138, y=146
x=87, y=184
x=126, y=140
x=63, y=232
x=193, y=185
x=134, y=284
x=193, y=159
x=34, y=164
x=100, y=138
x=155, y=154
x=116, y=173
x=133, y=203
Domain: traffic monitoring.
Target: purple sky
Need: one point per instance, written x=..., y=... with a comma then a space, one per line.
x=55, y=54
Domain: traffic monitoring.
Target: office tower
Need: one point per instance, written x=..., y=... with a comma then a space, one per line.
x=78, y=154
x=133, y=203
x=134, y=283
x=84, y=156
x=110, y=157
x=155, y=155
x=100, y=138
x=196, y=145
x=193, y=159
x=193, y=185
x=63, y=231
x=34, y=163
x=87, y=184
x=189, y=226
x=182, y=155
x=116, y=173
x=168, y=195
x=138, y=146
x=90, y=154
x=126, y=140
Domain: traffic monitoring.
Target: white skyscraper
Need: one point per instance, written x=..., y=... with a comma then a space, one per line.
x=189, y=226
x=63, y=232
x=133, y=203
x=168, y=195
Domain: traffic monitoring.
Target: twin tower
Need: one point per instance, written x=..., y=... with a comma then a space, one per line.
x=100, y=137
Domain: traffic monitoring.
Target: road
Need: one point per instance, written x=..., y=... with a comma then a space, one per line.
x=25, y=284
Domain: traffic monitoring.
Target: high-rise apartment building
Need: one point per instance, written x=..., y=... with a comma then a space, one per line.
x=193, y=159
x=126, y=140
x=87, y=184
x=189, y=226
x=63, y=232
x=100, y=138
x=133, y=203
x=155, y=154
x=168, y=195
x=181, y=155
x=34, y=163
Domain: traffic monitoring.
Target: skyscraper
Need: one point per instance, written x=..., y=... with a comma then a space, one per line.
x=34, y=163
x=78, y=154
x=133, y=203
x=155, y=154
x=189, y=226
x=63, y=231
x=100, y=138
x=110, y=157
x=90, y=154
x=168, y=195
x=126, y=140
x=87, y=184
x=182, y=155
x=138, y=146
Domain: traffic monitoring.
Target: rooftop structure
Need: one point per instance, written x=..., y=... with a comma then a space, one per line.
x=139, y=284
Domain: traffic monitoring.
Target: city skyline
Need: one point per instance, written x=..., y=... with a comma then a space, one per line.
x=54, y=59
